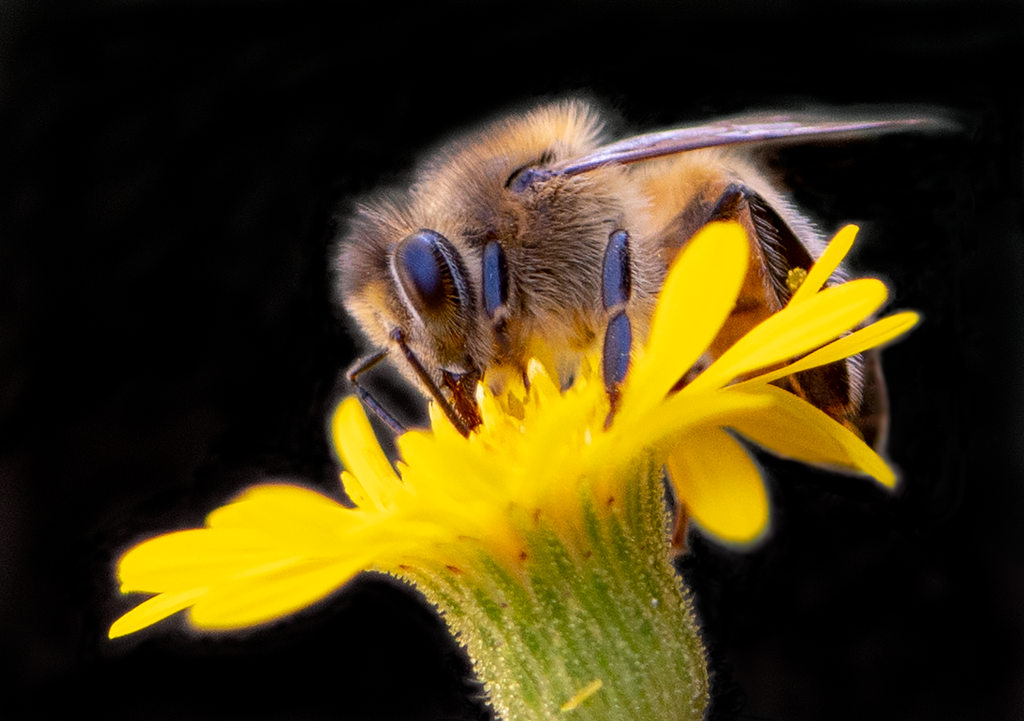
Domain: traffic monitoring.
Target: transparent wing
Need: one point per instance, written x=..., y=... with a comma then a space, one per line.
x=728, y=132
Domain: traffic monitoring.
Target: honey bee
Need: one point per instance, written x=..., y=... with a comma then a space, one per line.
x=534, y=237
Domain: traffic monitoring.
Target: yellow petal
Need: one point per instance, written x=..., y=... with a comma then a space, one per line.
x=543, y=388
x=794, y=330
x=362, y=455
x=493, y=418
x=826, y=265
x=153, y=610
x=266, y=597
x=440, y=474
x=297, y=516
x=440, y=425
x=354, y=491
x=720, y=485
x=698, y=295
x=676, y=416
x=796, y=429
x=199, y=557
x=872, y=336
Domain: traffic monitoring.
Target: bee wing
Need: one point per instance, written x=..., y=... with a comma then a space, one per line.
x=728, y=132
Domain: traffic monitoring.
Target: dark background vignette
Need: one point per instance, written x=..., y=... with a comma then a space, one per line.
x=171, y=175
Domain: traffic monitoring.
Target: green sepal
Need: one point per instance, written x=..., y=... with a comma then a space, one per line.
x=603, y=608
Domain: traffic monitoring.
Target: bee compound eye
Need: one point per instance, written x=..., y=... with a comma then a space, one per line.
x=430, y=275
x=616, y=279
x=525, y=178
x=495, y=278
x=618, y=340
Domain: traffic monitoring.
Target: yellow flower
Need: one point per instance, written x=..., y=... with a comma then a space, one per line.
x=455, y=506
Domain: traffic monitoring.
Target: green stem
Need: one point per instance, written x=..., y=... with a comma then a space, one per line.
x=604, y=609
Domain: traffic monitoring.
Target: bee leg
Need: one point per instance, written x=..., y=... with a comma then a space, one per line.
x=834, y=388
x=361, y=366
x=616, y=289
x=698, y=367
x=677, y=515
x=872, y=417
x=446, y=407
x=783, y=251
x=729, y=204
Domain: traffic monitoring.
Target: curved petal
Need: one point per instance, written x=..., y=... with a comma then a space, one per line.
x=296, y=515
x=796, y=429
x=872, y=336
x=155, y=609
x=677, y=417
x=794, y=330
x=720, y=485
x=826, y=265
x=272, y=595
x=361, y=454
x=200, y=557
x=699, y=293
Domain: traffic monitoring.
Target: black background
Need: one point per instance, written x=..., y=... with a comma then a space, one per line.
x=170, y=174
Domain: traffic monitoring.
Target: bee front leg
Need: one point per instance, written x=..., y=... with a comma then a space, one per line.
x=361, y=366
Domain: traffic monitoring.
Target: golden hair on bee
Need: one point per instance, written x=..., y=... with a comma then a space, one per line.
x=476, y=194
x=536, y=237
